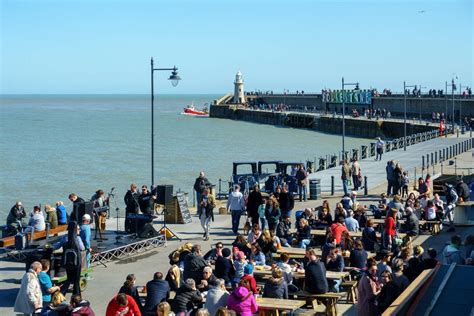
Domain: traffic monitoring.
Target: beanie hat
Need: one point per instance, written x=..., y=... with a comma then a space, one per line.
x=225, y=252
x=248, y=269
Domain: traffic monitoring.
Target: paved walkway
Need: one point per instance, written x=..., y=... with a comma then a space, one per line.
x=375, y=170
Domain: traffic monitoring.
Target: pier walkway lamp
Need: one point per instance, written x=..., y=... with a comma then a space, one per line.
x=405, y=86
x=174, y=78
x=453, y=88
x=356, y=84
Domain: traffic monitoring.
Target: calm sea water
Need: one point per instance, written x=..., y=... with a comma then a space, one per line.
x=52, y=145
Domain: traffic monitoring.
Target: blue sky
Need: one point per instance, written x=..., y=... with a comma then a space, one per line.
x=72, y=46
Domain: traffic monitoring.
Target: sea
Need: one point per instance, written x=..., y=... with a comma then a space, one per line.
x=52, y=145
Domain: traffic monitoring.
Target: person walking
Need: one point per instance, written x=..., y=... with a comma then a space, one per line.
x=345, y=176
x=356, y=174
x=379, y=148
x=29, y=298
x=200, y=184
x=206, y=207
x=254, y=200
x=71, y=258
x=236, y=206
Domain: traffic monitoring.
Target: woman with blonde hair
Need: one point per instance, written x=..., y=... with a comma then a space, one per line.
x=173, y=277
x=164, y=309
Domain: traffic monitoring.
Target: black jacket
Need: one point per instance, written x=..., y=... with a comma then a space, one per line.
x=185, y=299
x=463, y=191
x=411, y=223
x=211, y=282
x=358, y=258
x=283, y=229
x=145, y=200
x=193, y=266
x=157, y=292
x=131, y=201
x=286, y=200
x=276, y=288
x=133, y=292
x=254, y=201
x=387, y=295
x=200, y=184
x=16, y=214
x=315, y=278
x=174, y=286
x=224, y=269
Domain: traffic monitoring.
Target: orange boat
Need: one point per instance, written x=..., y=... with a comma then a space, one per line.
x=192, y=111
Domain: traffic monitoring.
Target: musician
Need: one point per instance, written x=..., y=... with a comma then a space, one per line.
x=146, y=200
x=100, y=205
x=131, y=202
x=76, y=201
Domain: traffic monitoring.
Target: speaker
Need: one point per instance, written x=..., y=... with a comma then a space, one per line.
x=79, y=209
x=164, y=194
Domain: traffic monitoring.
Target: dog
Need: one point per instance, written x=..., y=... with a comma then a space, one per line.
x=247, y=228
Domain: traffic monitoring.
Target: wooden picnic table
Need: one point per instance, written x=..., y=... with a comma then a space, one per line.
x=269, y=305
x=261, y=272
x=358, y=234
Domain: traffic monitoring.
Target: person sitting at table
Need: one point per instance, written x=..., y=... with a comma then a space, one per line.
x=368, y=289
x=308, y=215
x=411, y=225
x=120, y=304
x=248, y=276
x=337, y=228
x=254, y=234
x=369, y=236
x=430, y=262
x=216, y=297
x=174, y=278
x=130, y=289
x=304, y=233
x=164, y=309
x=209, y=280
x=211, y=255
x=398, y=277
x=283, y=231
x=360, y=216
x=224, y=268
x=186, y=297
x=347, y=202
x=223, y=311
x=351, y=223
x=267, y=245
x=242, y=243
x=276, y=286
x=329, y=244
x=414, y=265
x=388, y=294
x=324, y=218
x=358, y=257
x=239, y=265
x=347, y=243
x=410, y=202
x=335, y=262
x=157, y=290
x=242, y=301
x=315, y=274
x=384, y=264
x=340, y=211
x=256, y=256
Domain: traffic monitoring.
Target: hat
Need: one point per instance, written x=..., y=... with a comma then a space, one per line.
x=248, y=269
x=354, y=193
x=240, y=255
x=36, y=208
x=86, y=217
x=225, y=252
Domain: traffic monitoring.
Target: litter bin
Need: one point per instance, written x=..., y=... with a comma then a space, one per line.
x=314, y=189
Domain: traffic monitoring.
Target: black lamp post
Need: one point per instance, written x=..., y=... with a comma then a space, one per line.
x=405, y=114
x=344, y=115
x=175, y=78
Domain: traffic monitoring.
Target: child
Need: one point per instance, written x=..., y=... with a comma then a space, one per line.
x=239, y=265
x=405, y=182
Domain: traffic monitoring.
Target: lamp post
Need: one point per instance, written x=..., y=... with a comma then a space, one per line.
x=344, y=115
x=405, y=113
x=174, y=78
x=453, y=87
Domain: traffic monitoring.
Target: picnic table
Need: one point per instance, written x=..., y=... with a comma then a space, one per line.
x=273, y=306
x=263, y=272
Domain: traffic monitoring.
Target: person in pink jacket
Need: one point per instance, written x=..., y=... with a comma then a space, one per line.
x=242, y=302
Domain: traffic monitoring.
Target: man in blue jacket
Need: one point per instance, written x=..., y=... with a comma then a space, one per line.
x=85, y=235
x=158, y=290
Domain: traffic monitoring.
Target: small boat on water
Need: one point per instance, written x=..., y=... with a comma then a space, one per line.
x=190, y=110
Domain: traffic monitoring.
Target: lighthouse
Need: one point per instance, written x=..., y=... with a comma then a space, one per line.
x=239, y=96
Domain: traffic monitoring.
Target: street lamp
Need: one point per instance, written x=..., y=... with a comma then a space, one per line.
x=405, y=114
x=344, y=115
x=453, y=88
x=174, y=78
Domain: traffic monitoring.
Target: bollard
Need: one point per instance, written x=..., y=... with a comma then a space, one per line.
x=432, y=160
x=194, y=198
x=332, y=185
x=456, y=165
x=436, y=157
x=427, y=161
x=366, y=189
x=422, y=163
x=414, y=173
x=441, y=168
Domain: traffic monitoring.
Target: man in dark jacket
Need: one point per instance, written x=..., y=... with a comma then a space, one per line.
x=194, y=264
x=390, y=170
x=224, y=268
x=186, y=297
x=315, y=275
x=146, y=200
x=200, y=184
x=15, y=217
x=158, y=290
x=255, y=199
x=131, y=204
x=287, y=202
x=301, y=176
x=283, y=231
x=411, y=225
x=462, y=190
x=209, y=280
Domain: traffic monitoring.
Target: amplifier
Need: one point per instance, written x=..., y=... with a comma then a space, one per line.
x=164, y=194
x=80, y=209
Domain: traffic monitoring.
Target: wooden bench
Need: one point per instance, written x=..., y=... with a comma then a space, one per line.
x=10, y=240
x=329, y=299
x=351, y=287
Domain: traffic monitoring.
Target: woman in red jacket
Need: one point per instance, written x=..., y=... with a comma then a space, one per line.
x=122, y=305
x=390, y=229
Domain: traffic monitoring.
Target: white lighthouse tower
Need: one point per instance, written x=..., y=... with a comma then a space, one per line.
x=239, y=96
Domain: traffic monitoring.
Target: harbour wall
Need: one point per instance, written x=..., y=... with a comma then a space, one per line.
x=357, y=127
x=416, y=107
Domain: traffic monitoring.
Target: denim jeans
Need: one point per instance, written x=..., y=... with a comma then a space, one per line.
x=205, y=223
x=236, y=220
x=345, y=186
x=263, y=224
x=305, y=243
x=302, y=192
x=335, y=286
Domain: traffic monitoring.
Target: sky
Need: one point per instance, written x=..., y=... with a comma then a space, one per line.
x=92, y=46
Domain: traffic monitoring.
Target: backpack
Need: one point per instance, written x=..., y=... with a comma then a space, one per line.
x=71, y=259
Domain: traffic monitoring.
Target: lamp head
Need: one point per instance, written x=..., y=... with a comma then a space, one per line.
x=175, y=78
x=357, y=86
